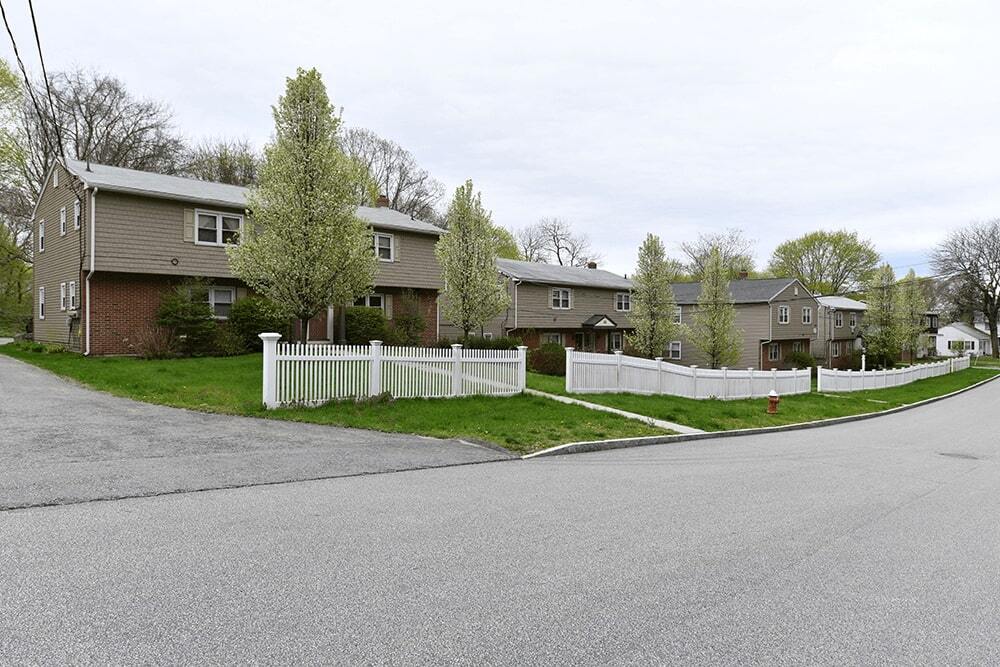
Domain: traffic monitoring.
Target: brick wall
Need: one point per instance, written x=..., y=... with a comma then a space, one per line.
x=123, y=308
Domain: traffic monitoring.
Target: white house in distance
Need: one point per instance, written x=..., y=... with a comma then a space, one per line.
x=959, y=338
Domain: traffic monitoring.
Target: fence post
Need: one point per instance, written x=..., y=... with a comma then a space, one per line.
x=522, y=367
x=819, y=378
x=659, y=375
x=375, y=370
x=270, y=393
x=774, y=379
x=569, y=369
x=456, y=369
x=618, y=369
x=951, y=365
x=864, y=362
x=725, y=383
x=694, y=381
x=750, y=371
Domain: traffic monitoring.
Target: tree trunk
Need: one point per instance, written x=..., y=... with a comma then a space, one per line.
x=304, y=329
x=994, y=344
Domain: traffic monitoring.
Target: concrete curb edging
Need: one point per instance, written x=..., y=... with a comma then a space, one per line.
x=625, y=443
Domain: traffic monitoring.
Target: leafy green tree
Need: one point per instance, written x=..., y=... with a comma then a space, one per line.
x=826, y=262
x=507, y=246
x=232, y=161
x=735, y=251
x=473, y=290
x=713, y=328
x=305, y=247
x=653, y=304
x=880, y=324
x=911, y=308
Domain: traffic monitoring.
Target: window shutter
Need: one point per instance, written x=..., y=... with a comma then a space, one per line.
x=388, y=306
x=396, y=243
x=241, y=293
x=189, y=225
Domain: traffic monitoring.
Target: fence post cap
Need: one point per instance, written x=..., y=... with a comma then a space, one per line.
x=694, y=365
x=724, y=368
x=456, y=346
x=657, y=358
x=269, y=336
x=570, y=349
x=374, y=343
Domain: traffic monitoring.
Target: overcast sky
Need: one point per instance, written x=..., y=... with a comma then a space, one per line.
x=775, y=117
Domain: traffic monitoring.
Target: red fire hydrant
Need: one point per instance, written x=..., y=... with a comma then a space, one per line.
x=772, y=402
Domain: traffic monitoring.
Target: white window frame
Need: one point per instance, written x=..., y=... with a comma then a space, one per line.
x=854, y=320
x=678, y=314
x=392, y=246
x=367, y=301
x=838, y=319
x=550, y=337
x=774, y=352
x=487, y=335
x=219, y=215
x=674, y=349
x=796, y=346
x=72, y=295
x=62, y=296
x=211, y=299
x=835, y=349
x=556, y=294
x=784, y=314
x=41, y=236
x=62, y=221
x=76, y=214
x=617, y=340
x=41, y=303
x=623, y=302
x=807, y=315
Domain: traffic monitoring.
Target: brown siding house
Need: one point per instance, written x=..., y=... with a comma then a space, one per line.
x=141, y=233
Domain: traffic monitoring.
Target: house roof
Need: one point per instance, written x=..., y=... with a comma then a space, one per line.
x=969, y=331
x=150, y=184
x=555, y=274
x=743, y=291
x=842, y=303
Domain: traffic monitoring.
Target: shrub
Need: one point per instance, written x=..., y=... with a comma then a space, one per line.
x=186, y=313
x=408, y=322
x=365, y=324
x=255, y=315
x=549, y=359
x=228, y=342
x=800, y=360
x=156, y=342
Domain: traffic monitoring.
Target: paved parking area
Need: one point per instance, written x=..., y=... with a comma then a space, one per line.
x=60, y=442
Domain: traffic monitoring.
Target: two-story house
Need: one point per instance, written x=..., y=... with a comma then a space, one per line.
x=839, y=330
x=109, y=242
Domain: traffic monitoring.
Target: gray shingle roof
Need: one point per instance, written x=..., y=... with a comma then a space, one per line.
x=554, y=274
x=146, y=183
x=842, y=303
x=743, y=291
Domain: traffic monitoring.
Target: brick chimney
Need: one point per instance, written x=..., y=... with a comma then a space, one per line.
x=382, y=202
x=591, y=265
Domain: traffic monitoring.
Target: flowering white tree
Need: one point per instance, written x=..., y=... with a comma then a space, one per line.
x=304, y=246
x=653, y=304
x=911, y=309
x=713, y=329
x=473, y=290
x=880, y=324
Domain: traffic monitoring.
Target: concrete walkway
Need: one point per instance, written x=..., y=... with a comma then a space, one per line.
x=659, y=423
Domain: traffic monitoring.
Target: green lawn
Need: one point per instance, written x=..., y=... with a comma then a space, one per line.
x=232, y=385
x=716, y=415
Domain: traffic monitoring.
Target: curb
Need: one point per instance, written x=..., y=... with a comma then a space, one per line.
x=625, y=443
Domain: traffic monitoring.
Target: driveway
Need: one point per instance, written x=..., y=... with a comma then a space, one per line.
x=60, y=442
x=875, y=542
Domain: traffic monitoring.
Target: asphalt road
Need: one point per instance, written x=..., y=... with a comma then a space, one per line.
x=61, y=442
x=867, y=543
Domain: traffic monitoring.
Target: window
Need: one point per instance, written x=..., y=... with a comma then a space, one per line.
x=72, y=295
x=838, y=319
x=220, y=299
x=623, y=302
x=76, y=214
x=62, y=296
x=487, y=335
x=835, y=349
x=217, y=228
x=55, y=178
x=678, y=314
x=807, y=315
x=796, y=346
x=62, y=221
x=41, y=236
x=41, y=303
x=617, y=340
x=970, y=345
x=384, y=247
x=854, y=320
x=782, y=314
x=552, y=338
x=372, y=301
x=773, y=352
x=674, y=350
x=560, y=298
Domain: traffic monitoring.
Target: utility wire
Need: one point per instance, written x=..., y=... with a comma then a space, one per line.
x=48, y=88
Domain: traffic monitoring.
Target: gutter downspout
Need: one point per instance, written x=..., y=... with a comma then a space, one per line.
x=770, y=335
x=93, y=217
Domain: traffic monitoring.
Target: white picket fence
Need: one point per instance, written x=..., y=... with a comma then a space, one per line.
x=587, y=372
x=309, y=374
x=837, y=381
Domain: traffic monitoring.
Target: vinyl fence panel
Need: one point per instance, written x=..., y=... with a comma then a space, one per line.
x=829, y=380
x=309, y=374
x=587, y=372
